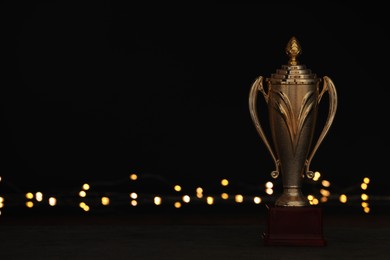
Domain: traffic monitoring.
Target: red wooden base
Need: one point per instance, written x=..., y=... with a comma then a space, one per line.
x=294, y=226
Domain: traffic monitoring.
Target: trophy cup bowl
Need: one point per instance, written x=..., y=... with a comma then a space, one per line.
x=293, y=95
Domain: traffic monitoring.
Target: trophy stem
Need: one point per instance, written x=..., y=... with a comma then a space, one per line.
x=291, y=197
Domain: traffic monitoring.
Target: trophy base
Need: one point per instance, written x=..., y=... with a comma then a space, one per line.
x=294, y=226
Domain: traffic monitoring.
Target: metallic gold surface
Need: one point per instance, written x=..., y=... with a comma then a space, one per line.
x=292, y=98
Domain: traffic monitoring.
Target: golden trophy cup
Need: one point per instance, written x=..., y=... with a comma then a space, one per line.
x=293, y=95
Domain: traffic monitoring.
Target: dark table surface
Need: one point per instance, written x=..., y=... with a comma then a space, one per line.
x=189, y=235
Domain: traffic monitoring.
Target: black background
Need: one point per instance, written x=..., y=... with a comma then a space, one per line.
x=94, y=91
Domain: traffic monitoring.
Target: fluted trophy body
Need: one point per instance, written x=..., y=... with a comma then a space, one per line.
x=293, y=96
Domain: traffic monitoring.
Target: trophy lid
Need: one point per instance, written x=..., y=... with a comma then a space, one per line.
x=293, y=72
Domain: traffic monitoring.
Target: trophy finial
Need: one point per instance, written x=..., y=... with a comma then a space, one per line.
x=293, y=50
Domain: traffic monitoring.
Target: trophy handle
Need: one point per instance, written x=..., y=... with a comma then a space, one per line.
x=258, y=86
x=328, y=86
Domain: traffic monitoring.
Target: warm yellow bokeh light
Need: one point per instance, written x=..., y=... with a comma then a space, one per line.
x=269, y=185
x=177, y=188
x=224, y=196
x=366, y=180
x=199, y=190
x=325, y=193
x=52, y=201
x=364, y=196
x=310, y=197
x=364, y=186
x=82, y=204
x=1, y=205
x=86, y=186
x=133, y=177
x=86, y=208
x=224, y=182
x=343, y=198
x=39, y=196
x=186, y=198
x=239, y=198
x=1, y=199
x=105, y=201
x=157, y=200
x=29, y=204
x=324, y=199
x=366, y=210
x=315, y=201
x=364, y=204
x=269, y=191
x=257, y=200
x=177, y=204
x=82, y=194
x=317, y=176
x=134, y=203
x=133, y=195
x=210, y=200
x=29, y=195
x=325, y=183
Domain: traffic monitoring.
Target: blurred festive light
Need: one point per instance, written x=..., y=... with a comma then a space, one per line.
x=133, y=177
x=133, y=195
x=257, y=200
x=325, y=193
x=343, y=198
x=269, y=191
x=239, y=198
x=105, y=201
x=324, y=199
x=157, y=200
x=52, y=201
x=134, y=203
x=86, y=186
x=364, y=186
x=84, y=206
x=39, y=196
x=224, y=196
x=366, y=180
x=0, y=178
x=82, y=194
x=224, y=182
x=1, y=205
x=1, y=199
x=29, y=204
x=29, y=195
x=364, y=204
x=177, y=204
x=199, y=192
x=269, y=185
x=364, y=196
x=325, y=183
x=186, y=198
x=366, y=210
x=317, y=176
x=310, y=197
x=314, y=201
x=177, y=188
x=210, y=200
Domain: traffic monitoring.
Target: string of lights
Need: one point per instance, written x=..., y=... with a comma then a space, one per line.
x=126, y=192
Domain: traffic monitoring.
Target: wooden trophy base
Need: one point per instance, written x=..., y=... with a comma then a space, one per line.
x=294, y=226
